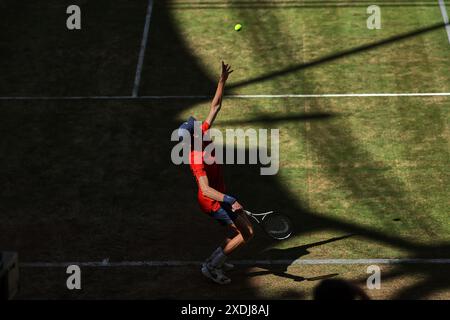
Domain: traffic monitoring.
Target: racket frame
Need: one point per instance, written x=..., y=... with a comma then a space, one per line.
x=264, y=215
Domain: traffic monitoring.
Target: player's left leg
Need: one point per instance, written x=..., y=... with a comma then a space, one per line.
x=214, y=266
x=239, y=231
x=233, y=240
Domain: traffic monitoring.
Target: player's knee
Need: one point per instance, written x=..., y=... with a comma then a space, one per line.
x=251, y=232
x=248, y=234
x=233, y=232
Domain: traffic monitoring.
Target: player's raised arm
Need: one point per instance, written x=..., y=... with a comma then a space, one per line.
x=216, y=103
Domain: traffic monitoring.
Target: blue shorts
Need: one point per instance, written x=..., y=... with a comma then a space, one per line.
x=225, y=216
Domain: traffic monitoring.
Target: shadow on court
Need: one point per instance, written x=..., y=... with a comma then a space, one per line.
x=286, y=258
x=94, y=180
x=312, y=116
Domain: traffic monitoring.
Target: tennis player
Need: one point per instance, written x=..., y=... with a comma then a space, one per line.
x=213, y=200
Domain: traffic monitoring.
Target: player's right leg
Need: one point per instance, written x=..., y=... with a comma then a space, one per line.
x=214, y=265
x=232, y=232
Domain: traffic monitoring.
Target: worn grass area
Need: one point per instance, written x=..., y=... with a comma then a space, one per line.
x=360, y=177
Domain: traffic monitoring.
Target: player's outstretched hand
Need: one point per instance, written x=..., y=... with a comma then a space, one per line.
x=226, y=71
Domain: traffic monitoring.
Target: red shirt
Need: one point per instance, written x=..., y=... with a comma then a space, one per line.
x=213, y=171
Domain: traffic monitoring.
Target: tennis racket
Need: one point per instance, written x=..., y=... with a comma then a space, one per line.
x=275, y=225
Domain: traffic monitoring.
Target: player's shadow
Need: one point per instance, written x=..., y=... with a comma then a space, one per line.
x=282, y=273
x=279, y=260
x=289, y=255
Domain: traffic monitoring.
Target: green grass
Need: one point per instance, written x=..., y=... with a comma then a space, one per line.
x=85, y=180
x=274, y=39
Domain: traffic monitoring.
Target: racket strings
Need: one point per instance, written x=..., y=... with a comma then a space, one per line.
x=278, y=226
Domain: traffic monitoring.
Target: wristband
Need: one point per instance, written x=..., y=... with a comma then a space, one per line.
x=229, y=199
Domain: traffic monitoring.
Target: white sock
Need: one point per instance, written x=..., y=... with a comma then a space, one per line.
x=218, y=260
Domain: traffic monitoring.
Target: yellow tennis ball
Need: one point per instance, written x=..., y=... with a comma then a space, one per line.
x=238, y=27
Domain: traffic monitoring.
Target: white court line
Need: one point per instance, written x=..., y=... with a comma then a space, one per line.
x=244, y=96
x=176, y=263
x=137, y=79
x=272, y=4
x=445, y=17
